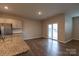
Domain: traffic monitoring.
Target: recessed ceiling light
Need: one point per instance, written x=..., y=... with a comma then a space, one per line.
x=39, y=13
x=5, y=7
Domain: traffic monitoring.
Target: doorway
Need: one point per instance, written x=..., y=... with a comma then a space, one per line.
x=50, y=31
x=53, y=31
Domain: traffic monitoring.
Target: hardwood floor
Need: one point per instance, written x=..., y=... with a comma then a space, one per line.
x=49, y=47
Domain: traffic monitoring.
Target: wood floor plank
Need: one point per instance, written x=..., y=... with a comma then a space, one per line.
x=49, y=47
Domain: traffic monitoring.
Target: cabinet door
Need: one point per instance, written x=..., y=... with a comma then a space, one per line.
x=2, y=20
x=17, y=24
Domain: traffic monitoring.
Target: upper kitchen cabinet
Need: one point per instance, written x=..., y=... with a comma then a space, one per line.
x=2, y=20
x=15, y=22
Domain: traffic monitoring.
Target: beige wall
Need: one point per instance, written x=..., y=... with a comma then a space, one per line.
x=60, y=19
x=32, y=29
x=75, y=34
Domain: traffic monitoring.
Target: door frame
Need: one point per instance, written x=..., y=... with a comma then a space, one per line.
x=52, y=31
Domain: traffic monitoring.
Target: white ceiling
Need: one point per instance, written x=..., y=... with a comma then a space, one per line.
x=30, y=11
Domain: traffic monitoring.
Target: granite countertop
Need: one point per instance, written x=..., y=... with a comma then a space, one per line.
x=12, y=46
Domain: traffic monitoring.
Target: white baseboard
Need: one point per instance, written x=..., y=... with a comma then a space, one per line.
x=67, y=41
x=32, y=38
x=75, y=39
x=61, y=41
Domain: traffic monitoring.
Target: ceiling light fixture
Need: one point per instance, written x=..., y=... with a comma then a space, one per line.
x=39, y=13
x=5, y=7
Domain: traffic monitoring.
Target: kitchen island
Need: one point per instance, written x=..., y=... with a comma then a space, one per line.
x=12, y=45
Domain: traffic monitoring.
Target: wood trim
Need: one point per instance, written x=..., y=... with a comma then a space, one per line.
x=35, y=38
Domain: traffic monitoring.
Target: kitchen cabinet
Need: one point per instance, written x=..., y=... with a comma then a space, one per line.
x=15, y=23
